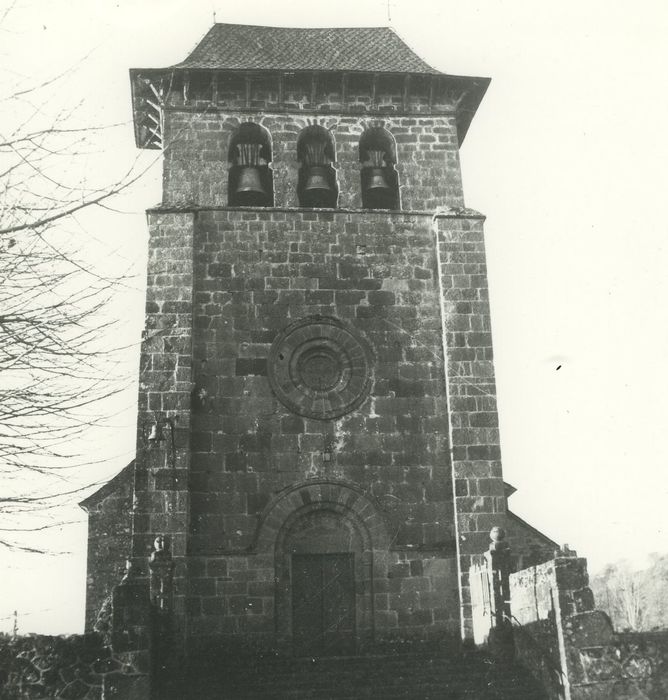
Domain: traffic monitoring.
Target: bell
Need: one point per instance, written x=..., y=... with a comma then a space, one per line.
x=250, y=192
x=378, y=193
x=317, y=190
x=377, y=180
x=156, y=434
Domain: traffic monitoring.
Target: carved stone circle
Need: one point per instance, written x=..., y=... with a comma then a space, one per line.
x=320, y=368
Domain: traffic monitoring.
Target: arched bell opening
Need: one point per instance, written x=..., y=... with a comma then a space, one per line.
x=250, y=181
x=316, y=186
x=380, y=181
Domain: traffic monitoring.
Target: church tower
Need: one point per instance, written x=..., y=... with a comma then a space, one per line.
x=318, y=442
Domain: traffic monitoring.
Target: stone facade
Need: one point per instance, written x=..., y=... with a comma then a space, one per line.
x=317, y=397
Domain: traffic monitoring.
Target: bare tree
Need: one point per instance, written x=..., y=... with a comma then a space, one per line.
x=621, y=591
x=56, y=365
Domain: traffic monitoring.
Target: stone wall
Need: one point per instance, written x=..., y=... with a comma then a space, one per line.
x=367, y=281
x=161, y=487
x=109, y=528
x=536, y=598
x=258, y=273
x=73, y=667
x=573, y=648
x=120, y=660
x=196, y=166
x=633, y=666
x=419, y=112
x=229, y=287
x=528, y=546
x=228, y=290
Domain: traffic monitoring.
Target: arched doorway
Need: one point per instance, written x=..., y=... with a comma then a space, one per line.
x=319, y=556
x=329, y=545
x=324, y=573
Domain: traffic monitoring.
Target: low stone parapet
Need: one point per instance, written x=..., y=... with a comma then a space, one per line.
x=40, y=666
x=572, y=647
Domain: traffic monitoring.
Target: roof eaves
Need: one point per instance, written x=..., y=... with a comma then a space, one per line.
x=106, y=489
x=534, y=530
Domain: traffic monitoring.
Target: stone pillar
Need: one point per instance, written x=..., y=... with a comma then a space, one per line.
x=498, y=562
x=161, y=566
x=475, y=453
x=490, y=597
x=164, y=651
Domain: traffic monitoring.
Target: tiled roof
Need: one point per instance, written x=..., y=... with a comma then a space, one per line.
x=248, y=47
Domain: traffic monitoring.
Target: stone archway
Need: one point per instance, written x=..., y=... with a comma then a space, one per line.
x=323, y=581
x=328, y=532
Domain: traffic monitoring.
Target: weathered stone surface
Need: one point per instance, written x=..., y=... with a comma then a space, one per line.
x=74, y=690
x=579, y=649
x=73, y=667
x=118, y=686
x=589, y=629
x=108, y=540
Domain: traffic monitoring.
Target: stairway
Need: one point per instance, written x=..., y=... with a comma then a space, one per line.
x=466, y=676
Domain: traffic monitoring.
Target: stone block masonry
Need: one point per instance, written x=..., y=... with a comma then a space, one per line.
x=196, y=165
x=109, y=539
x=251, y=315
x=421, y=116
x=256, y=273
x=479, y=494
x=413, y=303
x=380, y=276
x=161, y=496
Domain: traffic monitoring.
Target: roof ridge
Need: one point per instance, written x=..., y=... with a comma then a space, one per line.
x=410, y=46
x=278, y=26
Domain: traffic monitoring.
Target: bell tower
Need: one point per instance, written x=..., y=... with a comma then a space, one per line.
x=317, y=432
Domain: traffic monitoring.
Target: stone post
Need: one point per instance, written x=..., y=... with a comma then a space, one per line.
x=163, y=650
x=161, y=566
x=498, y=562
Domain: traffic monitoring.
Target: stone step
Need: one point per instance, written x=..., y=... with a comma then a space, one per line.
x=468, y=676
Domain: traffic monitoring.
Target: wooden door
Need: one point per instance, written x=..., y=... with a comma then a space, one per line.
x=323, y=604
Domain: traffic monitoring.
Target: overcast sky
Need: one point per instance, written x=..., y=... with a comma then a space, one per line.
x=567, y=159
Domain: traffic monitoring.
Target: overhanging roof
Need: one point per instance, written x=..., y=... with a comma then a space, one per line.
x=257, y=50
